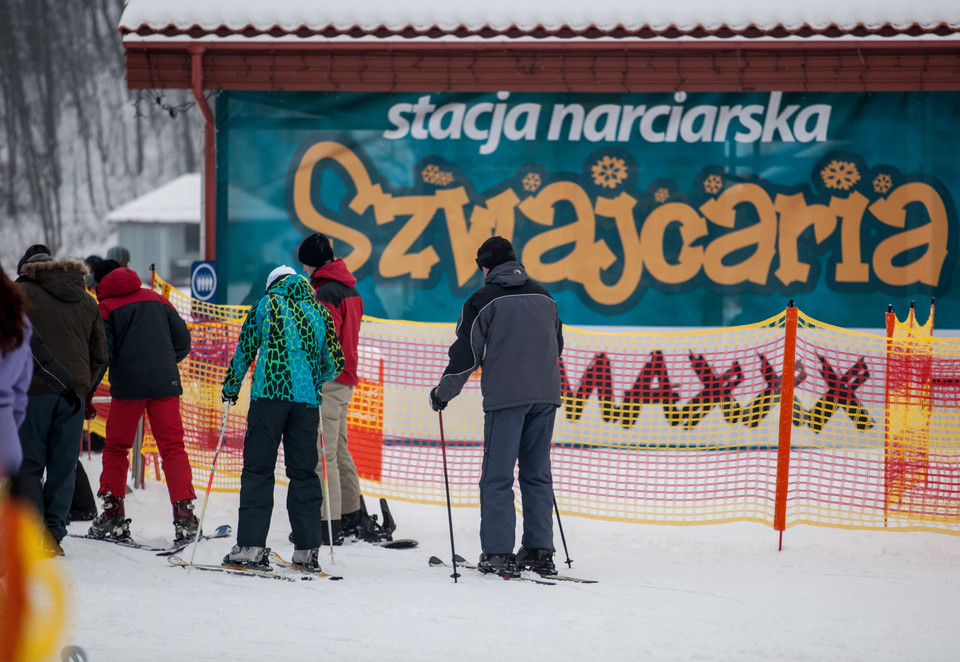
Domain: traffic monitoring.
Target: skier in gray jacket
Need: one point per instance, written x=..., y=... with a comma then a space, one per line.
x=510, y=327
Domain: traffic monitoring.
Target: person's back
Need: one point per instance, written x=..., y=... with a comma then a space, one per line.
x=66, y=317
x=147, y=338
x=516, y=334
x=510, y=327
x=292, y=340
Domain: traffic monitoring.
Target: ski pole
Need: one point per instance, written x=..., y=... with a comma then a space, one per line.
x=563, y=538
x=446, y=484
x=213, y=468
x=326, y=491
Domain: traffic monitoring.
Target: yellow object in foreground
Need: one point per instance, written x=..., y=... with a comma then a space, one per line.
x=32, y=605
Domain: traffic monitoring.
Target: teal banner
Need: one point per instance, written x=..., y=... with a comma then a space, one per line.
x=632, y=209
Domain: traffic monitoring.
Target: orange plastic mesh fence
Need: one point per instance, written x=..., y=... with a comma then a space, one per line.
x=671, y=428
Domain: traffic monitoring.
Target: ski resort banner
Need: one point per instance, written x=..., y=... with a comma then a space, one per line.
x=632, y=209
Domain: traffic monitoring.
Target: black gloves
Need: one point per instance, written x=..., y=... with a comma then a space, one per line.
x=73, y=399
x=435, y=402
x=229, y=399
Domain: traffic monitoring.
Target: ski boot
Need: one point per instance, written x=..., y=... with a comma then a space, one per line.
x=185, y=523
x=539, y=561
x=325, y=532
x=504, y=565
x=350, y=524
x=248, y=557
x=111, y=523
x=307, y=559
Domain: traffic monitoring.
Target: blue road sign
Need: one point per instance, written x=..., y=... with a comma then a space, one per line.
x=203, y=281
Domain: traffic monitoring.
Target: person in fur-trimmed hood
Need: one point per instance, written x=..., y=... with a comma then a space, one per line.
x=67, y=318
x=146, y=339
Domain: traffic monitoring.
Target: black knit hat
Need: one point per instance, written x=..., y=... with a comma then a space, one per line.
x=36, y=249
x=103, y=268
x=494, y=251
x=315, y=251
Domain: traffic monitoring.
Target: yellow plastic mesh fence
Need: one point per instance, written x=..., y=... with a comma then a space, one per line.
x=680, y=427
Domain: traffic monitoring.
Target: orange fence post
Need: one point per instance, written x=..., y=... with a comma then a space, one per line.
x=786, y=420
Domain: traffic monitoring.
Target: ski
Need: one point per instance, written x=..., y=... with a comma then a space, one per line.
x=283, y=563
x=178, y=562
x=399, y=543
x=462, y=563
x=562, y=578
x=221, y=532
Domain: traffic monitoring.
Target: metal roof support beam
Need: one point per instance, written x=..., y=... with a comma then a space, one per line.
x=209, y=154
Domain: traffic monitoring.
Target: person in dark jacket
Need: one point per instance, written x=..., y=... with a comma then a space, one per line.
x=333, y=285
x=292, y=339
x=66, y=317
x=510, y=327
x=146, y=339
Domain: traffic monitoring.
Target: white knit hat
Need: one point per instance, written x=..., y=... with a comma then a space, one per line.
x=277, y=273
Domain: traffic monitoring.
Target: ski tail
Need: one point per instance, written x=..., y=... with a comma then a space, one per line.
x=389, y=525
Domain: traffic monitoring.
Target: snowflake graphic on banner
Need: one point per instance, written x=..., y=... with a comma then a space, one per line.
x=882, y=183
x=713, y=184
x=531, y=182
x=609, y=172
x=840, y=175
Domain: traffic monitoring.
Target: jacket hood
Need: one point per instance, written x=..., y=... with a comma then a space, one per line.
x=119, y=282
x=336, y=270
x=508, y=274
x=293, y=286
x=63, y=279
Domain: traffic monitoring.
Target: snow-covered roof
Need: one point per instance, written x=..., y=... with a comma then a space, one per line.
x=519, y=19
x=177, y=201
x=180, y=201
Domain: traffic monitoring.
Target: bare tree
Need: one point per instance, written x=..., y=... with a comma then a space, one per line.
x=74, y=142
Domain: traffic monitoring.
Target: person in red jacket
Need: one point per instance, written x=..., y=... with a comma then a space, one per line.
x=334, y=287
x=146, y=339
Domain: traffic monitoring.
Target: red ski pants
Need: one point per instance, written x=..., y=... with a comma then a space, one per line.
x=167, y=428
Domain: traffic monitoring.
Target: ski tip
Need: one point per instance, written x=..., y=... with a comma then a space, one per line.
x=434, y=560
x=223, y=530
x=459, y=559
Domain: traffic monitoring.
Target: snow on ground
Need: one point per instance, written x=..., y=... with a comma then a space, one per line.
x=718, y=592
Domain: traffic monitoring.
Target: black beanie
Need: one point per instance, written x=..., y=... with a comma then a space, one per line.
x=103, y=268
x=494, y=251
x=36, y=249
x=315, y=251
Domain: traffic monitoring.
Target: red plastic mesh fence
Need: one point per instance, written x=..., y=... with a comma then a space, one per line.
x=672, y=428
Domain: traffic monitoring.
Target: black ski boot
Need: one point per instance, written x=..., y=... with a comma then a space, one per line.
x=185, y=523
x=350, y=524
x=504, y=565
x=111, y=523
x=539, y=561
x=325, y=533
x=257, y=558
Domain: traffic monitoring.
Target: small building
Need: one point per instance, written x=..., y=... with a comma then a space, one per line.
x=162, y=228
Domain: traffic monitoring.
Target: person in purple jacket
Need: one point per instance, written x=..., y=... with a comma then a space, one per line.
x=16, y=370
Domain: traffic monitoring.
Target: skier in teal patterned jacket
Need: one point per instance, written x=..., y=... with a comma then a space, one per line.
x=299, y=342
x=295, y=344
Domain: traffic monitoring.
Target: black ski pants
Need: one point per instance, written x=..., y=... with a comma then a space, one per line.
x=269, y=422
